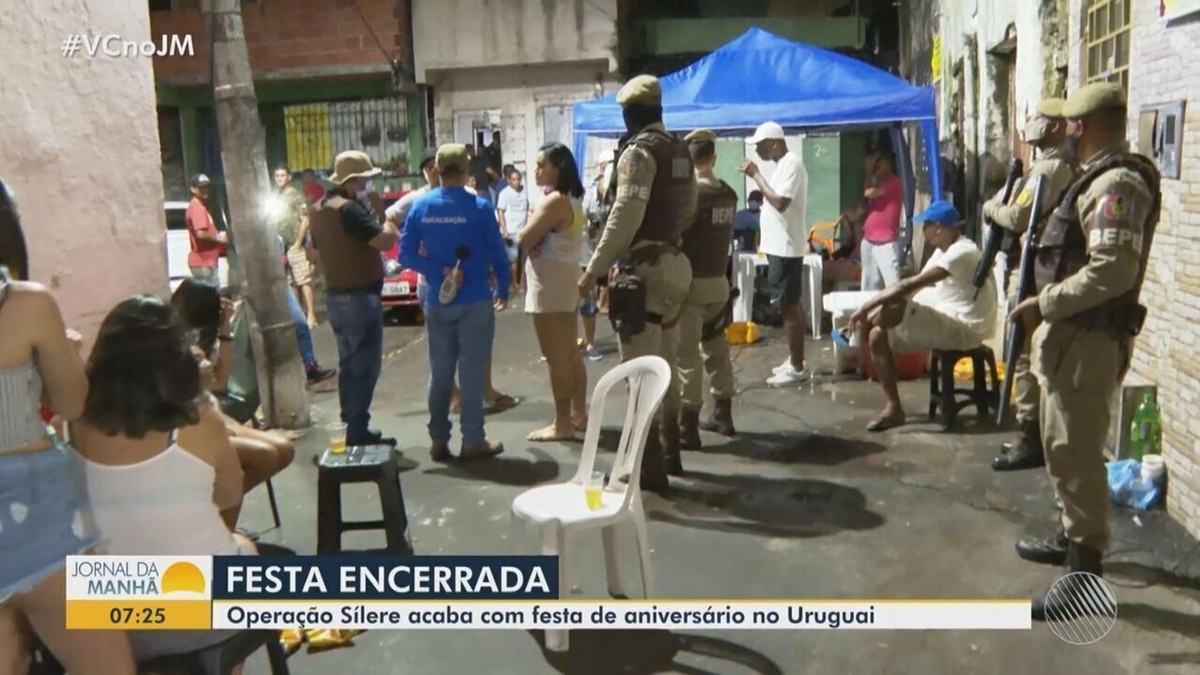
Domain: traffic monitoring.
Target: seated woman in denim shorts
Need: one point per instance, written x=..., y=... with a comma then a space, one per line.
x=42, y=511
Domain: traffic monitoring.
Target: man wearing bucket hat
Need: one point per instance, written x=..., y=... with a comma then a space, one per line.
x=1089, y=271
x=349, y=239
x=653, y=204
x=1047, y=133
x=936, y=309
x=702, y=345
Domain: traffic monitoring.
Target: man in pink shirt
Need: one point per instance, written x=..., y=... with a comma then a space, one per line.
x=205, y=239
x=881, y=247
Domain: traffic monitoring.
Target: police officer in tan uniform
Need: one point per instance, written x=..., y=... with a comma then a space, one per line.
x=1090, y=266
x=654, y=199
x=702, y=345
x=1046, y=132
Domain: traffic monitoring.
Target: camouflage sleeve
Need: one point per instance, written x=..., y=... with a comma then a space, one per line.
x=1113, y=212
x=635, y=174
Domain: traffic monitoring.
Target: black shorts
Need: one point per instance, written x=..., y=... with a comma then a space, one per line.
x=784, y=275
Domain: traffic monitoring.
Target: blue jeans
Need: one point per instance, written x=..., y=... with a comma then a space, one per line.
x=357, y=322
x=460, y=338
x=303, y=334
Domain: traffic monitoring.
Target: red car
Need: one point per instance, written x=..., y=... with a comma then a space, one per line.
x=400, y=284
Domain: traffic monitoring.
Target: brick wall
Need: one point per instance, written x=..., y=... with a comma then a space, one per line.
x=293, y=39
x=1163, y=68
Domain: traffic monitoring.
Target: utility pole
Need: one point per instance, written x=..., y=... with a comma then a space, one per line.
x=281, y=377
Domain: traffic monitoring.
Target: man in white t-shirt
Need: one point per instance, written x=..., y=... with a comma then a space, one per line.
x=936, y=309
x=512, y=210
x=784, y=238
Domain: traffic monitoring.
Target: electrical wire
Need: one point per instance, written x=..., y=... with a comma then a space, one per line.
x=388, y=55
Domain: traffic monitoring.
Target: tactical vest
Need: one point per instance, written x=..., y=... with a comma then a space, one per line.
x=664, y=220
x=1062, y=250
x=350, y=265
x=706, y=243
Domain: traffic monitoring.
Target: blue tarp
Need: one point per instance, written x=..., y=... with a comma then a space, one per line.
x=761, y=76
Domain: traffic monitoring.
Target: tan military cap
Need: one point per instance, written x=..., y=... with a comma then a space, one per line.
x=452, y=156
x=1051, y=107
x=641, y=90
x=1094, y=98
x=699, y=136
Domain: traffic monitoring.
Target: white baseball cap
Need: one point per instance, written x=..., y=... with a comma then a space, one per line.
x=765, y=131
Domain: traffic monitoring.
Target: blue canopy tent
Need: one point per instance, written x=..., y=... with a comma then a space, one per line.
x=761, y=76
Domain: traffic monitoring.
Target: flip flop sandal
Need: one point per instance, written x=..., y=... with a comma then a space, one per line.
x=884, y=423
x=503, y=402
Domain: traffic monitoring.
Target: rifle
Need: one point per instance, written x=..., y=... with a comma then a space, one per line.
x=996, y=235
x=1016, y=330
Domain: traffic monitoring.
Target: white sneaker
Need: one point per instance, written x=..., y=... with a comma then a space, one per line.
x=789, y=377
x=783, y=367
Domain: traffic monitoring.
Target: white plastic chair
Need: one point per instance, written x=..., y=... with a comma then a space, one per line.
x=561, y=509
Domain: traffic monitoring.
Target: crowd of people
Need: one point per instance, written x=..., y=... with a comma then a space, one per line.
x=156, y=441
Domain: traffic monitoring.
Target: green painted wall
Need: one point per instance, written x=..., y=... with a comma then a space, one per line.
x=730, y=153
x=194, y=104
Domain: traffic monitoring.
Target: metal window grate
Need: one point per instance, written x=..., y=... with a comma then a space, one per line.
x=1106, y=36
x=317, y=132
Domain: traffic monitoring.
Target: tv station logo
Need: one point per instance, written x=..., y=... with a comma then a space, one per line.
x=139, y=592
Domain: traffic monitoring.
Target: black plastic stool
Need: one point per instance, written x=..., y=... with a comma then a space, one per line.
x=361, y=464
x=944, y=395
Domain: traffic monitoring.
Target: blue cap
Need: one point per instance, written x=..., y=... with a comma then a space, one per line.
x=940, y=212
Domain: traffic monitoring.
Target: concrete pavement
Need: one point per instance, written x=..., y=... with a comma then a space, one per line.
x=804, y=503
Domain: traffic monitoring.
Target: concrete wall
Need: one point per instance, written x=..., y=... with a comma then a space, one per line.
x=296, y=39
x=82, y=155
x=971, y=31
x=519, y=93
x=1163, y=68
x=455, y=34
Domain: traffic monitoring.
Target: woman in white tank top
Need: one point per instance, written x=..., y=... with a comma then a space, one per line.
x=553, y=238
x=161, y=475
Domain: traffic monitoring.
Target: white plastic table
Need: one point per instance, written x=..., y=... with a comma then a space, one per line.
x=746, y=266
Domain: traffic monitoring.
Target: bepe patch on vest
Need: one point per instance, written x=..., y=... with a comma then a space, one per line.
x=1114, y=237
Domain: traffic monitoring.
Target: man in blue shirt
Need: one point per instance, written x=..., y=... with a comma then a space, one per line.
x=450, y=227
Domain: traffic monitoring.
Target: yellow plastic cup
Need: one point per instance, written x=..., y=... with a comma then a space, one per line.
x=593, y=490
x=337, y=438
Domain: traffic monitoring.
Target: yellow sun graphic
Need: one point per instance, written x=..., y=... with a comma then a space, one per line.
x=183, y=576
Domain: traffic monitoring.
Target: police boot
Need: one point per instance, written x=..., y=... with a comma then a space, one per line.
x=670, y=448
x=1026, y=453
x=689, y=429
x=1050, y=551
x=654, y=471
x=721, y=419
x=1080, y=595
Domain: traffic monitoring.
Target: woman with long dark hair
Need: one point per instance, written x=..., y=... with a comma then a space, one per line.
x=553, y=238
x=262, y=454
x=42, y=508
x=162, y=476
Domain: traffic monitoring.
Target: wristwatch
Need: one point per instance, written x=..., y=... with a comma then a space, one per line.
x=225, y=337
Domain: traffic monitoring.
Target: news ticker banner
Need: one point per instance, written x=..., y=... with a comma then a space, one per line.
x=449, y=592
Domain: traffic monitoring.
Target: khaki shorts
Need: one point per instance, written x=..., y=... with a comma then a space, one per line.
x=924, y=328
x=301, y=268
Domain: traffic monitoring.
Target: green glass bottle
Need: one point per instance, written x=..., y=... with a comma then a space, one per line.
x=1145, y=430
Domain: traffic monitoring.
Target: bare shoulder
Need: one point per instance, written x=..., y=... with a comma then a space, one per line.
x=36, y=305
x=204, y=437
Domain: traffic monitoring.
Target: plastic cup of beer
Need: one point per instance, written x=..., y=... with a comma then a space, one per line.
x=337, y=438
x=592, y=490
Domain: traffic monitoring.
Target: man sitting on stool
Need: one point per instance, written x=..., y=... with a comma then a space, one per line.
x=936, y=309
